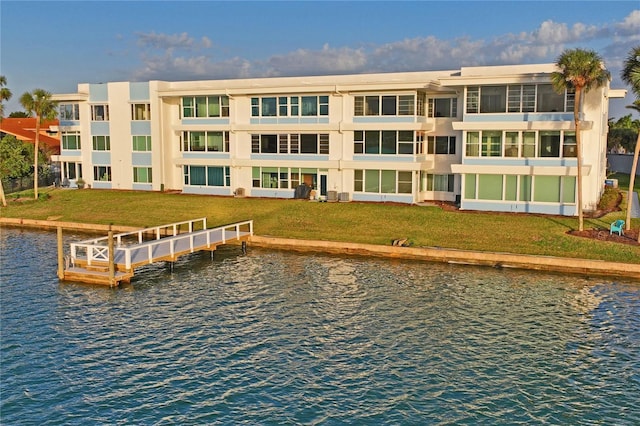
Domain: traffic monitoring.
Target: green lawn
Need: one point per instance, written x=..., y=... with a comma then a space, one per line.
x=372, y=223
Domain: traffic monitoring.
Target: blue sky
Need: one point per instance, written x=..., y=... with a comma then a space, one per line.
x=55, y=45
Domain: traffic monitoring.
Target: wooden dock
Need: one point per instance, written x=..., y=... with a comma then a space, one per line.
x=112, y=259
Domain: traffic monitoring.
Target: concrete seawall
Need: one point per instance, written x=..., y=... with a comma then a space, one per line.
x=431, y=254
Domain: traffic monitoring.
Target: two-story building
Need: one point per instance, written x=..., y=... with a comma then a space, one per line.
x=491, y=138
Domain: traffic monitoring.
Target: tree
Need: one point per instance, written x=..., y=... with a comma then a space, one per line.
x=5, y=95
x=38, y=103
x=631, y=75
x=579, y=71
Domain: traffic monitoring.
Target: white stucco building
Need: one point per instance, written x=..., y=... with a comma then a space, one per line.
x=492, y=138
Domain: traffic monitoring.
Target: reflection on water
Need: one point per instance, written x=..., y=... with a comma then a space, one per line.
x=284, y=338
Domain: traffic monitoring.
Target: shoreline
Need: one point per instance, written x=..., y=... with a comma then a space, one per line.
x=431, y=254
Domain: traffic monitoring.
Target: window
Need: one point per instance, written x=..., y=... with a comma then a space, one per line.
x=142, y=175
x=519, y=98
x=384, y=105
x=140, y=112
x=383, y=142
x=142, y=143
x=511, y=144
x=100, y=112
x=491, y=144
x=433, y=182
x=441, y=144
x=528, y=145
x=548, y=100
x=201, y=141
x=207, y=176
x=69, y=112
x=549, y=144
x=443, y=107
x=569, y=148
x=102, y=173
x=71, y=140
x=383, y=181
x=304, y=143
x=101, y=143
x=283, y=177
x=290, y=106
x=72, y=170
x=493, y=99
x=473, y=144
x=205, y=106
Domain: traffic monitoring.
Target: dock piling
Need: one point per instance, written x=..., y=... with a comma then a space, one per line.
x=60, y=254
x=112, y=268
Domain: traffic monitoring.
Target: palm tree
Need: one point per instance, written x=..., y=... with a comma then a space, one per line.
x=5, y=95
x=579, y=71
x=631, y=75
x=38, y=103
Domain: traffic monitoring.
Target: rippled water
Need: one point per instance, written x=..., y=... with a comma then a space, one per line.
x=283, y=338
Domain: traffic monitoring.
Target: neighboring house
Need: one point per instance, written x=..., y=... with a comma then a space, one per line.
x=491, y=138
x=24, y=129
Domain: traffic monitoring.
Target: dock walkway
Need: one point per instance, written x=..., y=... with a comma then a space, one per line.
x=112, y=259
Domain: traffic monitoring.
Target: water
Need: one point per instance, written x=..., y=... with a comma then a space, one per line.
x=284, y=338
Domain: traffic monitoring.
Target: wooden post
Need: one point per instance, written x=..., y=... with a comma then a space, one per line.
x=112, y=269
x=60, y=254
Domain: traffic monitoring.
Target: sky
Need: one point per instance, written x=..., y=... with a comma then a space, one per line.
x=56, y=45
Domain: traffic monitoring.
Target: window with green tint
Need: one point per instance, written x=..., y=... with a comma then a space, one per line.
x=255, y=177
x=196, y=142
x=470, y=187
x=490, y=187
x=197, y=175
x=215, y=176
x=528, y=145
x=269, y=107
x=142, y=143
x=388, y=181
x=269, y=177
x=309, y=105
x=71, y=140
x=201, y=106
x=142, y=175
x=405, y=182
x=473, y=144
x=215, y=142
x=214, y=106
x=511, y=188
x=358, y=181
x=372, y=181
x=546, y=189
x=525, y=188
x=491, y=144
x=568, y=189
x=101, y=143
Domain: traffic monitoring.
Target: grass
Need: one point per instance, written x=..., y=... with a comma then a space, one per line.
x=370, y=223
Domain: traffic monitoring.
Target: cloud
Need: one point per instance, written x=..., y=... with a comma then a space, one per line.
x=181, y=55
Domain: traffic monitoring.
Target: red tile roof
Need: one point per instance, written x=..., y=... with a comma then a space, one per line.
x=25, y=130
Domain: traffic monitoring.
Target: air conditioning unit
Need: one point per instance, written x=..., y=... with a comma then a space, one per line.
x=332, y=195
x=239, y=192
x=344, y=196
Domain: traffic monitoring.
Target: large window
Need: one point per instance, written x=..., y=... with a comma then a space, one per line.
x=71, y=140
x=142, y=175
x=201, y=141
x=383, y=181
x=69, y=112
x=542, y=189
x=303, y=143
x=384, y=142
x=529, y=144
x=290, y=106
x=517, y=98
x=142, y=143
x=100, y=112
x=207, y=176
x=205, y=106
x=435, y=182
x=441, y=144
x=140, y=112
x=385, y=105
x=446, y=107
x=102, y=173
x=283, y=177
x=101, y=143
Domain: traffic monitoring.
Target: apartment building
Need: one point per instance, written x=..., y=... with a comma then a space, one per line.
x=490, y=138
